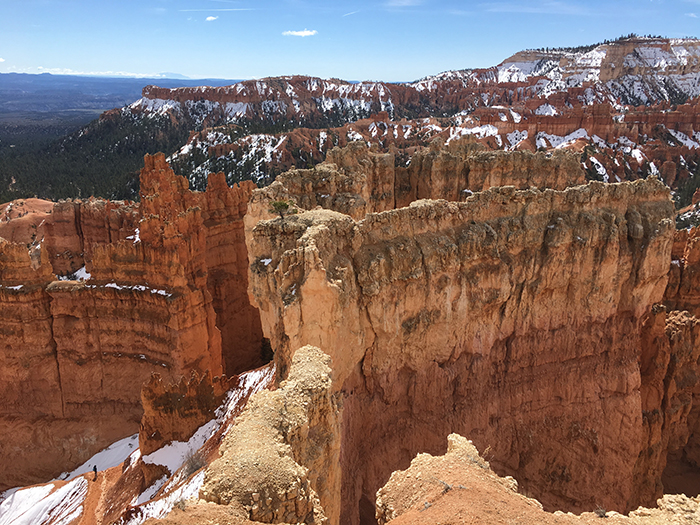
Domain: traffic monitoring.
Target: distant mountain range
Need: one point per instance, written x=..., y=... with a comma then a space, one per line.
x=622, y=93
x=20, y=92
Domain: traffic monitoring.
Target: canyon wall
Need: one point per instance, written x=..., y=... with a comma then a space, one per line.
x=514, y=318
x=164, y=282
x=356, y=180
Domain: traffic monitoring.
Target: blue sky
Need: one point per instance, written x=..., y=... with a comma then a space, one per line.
x=391, y=40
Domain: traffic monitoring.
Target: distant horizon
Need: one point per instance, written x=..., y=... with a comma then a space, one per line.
x=171, y=76
x=385, y=40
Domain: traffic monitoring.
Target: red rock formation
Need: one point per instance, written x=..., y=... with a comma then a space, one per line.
x=19, y=219
x=227, y=274
x=669, y=373
x=147, y=307
x=357, y=180
x=494, y=318
x=75, y=226
x=174, y=412
x=459, y=487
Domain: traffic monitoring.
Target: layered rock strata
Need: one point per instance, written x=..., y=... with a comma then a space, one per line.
x=161, y=279
x=513, y=318
x=173, y=412
x=670, y=396
x=356, y=180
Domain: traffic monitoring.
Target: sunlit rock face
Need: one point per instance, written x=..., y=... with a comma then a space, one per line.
x=514, y=318
x=160, y=287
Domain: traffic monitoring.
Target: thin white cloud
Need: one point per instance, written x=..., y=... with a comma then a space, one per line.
x=691, y=15
x=212, y=18
x=2, y=59
x=351, y=13
x=303, y=33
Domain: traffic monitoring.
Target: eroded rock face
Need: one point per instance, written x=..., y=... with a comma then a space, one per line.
x=493, y=318
x=461, y=469
x=280, y=459
x=669, y=390
x=173, y=412
x=164, y=277
x=459, y=487
x=356, y=180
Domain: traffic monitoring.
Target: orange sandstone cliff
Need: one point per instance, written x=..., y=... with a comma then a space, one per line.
x=75, y=354
x=555, y=328
x=513, y=318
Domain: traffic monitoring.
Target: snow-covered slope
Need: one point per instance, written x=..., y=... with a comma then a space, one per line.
x=67, y=502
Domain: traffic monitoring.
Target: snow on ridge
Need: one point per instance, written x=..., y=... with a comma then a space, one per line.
x=44, y=505
x=157, y=106
x=115, y=454
x=160, y=508
x=431, y=83
x=547, y=110
x=558, y=142
x=48, y=505
x=659, y=58
x=136, y=288
x=174, y=454
x=487, y=130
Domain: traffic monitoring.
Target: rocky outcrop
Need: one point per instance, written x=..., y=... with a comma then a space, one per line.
x=357, y=180
x=462, y=167
x=74, y=227
x=462, y=469
x=473, y=317
x=227, y=275
x=459, y=487
x=173, y=412
x=279, y=461
x=669, y=392
x=683, y=292
x=67, y=230
x=76, y=353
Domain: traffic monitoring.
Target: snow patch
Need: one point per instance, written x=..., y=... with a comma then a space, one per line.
x=136, y=237
x=354, y=135
x=138, y=288
x=487, y=130
x=80, y=274
x=113, y=455
x=684, y=139
x=600, y=169
x=515, y=138
x=547, y=110
x=162, y=507
x=39, y=505
x=558, y=142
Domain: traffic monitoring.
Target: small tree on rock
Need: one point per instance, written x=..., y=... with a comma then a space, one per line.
x=283, y=207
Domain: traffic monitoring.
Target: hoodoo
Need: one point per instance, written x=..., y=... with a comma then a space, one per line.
x=166, y=279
